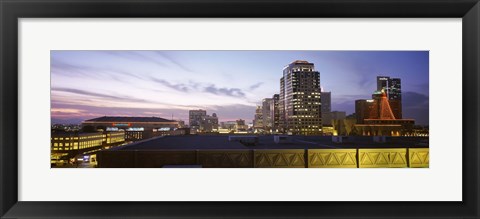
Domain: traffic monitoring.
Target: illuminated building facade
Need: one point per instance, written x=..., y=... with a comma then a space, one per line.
x=115, y=137
x=274, y=113
x=240, y=125
x=237, y=126
x=270, y=114
x=326, y=99
x=171, y=132
x=181, y=123
x=209, y=123
x=281, y=107
x=66, y=145
x=195, y=118
x=300, y=99
x=229, y=125
x=267, y=114
x=76, y=141
x=136, y=128
x=393, y=89
x=258, y=120
x=199, y=121
x=375, y=118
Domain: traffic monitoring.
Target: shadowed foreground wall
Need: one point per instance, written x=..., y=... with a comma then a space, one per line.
x=268, y=158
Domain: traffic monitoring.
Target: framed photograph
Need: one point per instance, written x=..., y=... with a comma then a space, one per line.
x=239, y=109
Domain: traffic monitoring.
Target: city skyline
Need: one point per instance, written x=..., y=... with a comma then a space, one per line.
x=89, y=84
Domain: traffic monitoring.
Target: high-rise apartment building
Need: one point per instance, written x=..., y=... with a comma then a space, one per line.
x=281, y=106
x=393, y=88
x=258, y=120
x=270, y=114
x=274, y=113
x=200, y=121
x=209, y=123
x=300, y=99
x=195, y=118
x=266, y=114
x=326, y=99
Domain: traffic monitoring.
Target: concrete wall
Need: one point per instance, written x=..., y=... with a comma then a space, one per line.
x=269, y=158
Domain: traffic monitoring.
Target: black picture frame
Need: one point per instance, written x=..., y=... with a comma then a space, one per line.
x=12, y=10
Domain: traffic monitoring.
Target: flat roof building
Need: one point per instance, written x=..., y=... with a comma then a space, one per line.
x=125, y=122
x=376, y=118
x=247, y=151
x=136, y=128
x=193, y=142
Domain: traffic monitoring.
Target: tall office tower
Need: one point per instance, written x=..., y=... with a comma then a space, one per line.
x=326, y=108
x=195, y=118
x=258, y=119
x=209, y=123
x=395, y=97
x=274, y=113
x=300, y=101
x=281, y=107
x=393, y=89
x=382, y=83
x=266, y=114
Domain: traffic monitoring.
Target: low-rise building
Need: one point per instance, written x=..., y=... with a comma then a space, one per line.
x=376, y=118
x=136, y=128
x=67, y=145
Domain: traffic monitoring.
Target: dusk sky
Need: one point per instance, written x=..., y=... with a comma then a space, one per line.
x=89, y=84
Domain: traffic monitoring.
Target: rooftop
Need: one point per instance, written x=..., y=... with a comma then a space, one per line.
x=128, y=119
x=301, y=62
x=194, y=142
